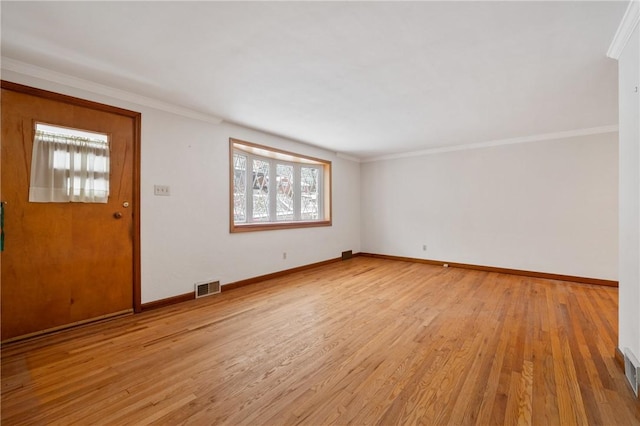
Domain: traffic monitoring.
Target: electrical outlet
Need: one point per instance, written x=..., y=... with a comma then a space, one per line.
x=424, y=247
x=284, y=255
x=161, y=190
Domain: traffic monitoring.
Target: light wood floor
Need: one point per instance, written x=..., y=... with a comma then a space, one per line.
x=360, y=341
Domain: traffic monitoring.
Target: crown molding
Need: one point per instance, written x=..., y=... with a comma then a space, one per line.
x=23, y=68
x=29, y=70
x=625, y=29
x=348, y=157
x=525, y=139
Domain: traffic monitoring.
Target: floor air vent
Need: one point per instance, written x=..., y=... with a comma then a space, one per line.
x=207, y=289
x=631, y=369
x=347, y=254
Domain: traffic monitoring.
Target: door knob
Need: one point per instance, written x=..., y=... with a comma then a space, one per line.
x=117, y=215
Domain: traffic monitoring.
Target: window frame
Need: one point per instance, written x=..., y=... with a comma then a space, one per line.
x=277, y=156
x=71, y=136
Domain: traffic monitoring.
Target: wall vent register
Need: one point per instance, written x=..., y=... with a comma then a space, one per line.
x=631, y=370
x=207, y=289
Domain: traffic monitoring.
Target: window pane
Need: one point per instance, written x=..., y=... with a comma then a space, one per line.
x=260, y=191
x=239, y=188
x=69, y=165
x=309, y=196
x=275, y=189
x=284, y=178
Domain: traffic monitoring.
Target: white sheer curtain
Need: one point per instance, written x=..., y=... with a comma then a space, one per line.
x=67, y=168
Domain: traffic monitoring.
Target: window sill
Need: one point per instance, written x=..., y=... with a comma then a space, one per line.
x=269, y=226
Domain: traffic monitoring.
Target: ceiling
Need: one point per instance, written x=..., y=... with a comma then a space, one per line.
x=365, y=79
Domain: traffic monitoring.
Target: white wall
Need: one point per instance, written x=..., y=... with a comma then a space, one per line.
x=629, y=111
x=185, y=237
x=546, y=206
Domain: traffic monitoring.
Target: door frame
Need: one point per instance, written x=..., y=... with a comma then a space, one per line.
x=137, y=122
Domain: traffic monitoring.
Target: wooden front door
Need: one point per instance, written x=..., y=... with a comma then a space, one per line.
x=66, y=263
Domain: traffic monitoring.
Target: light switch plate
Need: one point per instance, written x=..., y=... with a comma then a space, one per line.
x=161, y=190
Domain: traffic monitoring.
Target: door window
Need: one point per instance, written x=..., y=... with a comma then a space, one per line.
x=69, y=165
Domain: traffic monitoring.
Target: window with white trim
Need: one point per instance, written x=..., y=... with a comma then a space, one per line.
x=274, y=189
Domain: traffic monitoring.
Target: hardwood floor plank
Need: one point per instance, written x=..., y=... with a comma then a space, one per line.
x=364, y=341
x=545, y=407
